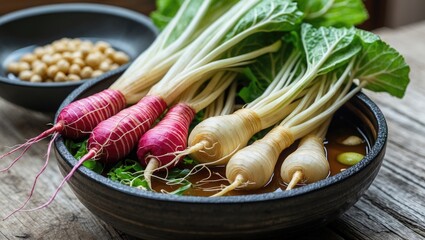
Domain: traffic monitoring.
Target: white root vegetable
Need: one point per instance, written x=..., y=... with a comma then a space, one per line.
x=217, y=139
x=261, y=156
x=308, y=163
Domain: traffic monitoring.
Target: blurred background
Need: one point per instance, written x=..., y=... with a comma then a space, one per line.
x=383, y=13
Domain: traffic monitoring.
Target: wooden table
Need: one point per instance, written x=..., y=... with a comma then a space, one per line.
x=392, y=208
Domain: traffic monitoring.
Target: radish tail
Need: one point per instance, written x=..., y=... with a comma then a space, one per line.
x=53, y=130
x=296, y=178
x=36, y=177
x=90, y=155
x=238, y=181
x=150, y=168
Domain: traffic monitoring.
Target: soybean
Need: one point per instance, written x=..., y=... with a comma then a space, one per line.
x=352, y=141
x=349, y=158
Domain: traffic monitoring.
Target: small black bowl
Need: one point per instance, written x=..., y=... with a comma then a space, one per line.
x=22, y=31
x=151, y=215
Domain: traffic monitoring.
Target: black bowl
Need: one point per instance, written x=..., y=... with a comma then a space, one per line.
x=151, y=215
x=22, y=31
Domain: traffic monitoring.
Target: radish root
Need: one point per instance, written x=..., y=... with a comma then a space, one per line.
x=296, y=178
x=239, y=180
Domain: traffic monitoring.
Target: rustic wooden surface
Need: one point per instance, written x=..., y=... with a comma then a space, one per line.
x=392, y=208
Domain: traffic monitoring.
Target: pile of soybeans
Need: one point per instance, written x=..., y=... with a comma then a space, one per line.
x=67, y=60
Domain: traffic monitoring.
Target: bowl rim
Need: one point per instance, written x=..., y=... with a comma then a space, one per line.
x=73, y=7
x=374, y=151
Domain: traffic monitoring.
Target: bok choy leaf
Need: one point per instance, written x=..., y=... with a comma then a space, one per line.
x=380, y=66
x=337, y=13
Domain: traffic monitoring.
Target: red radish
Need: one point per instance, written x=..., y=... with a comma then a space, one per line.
x=78, y=118
x=168, y=136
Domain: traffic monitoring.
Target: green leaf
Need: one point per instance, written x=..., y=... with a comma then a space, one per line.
x=128, y=172
x=165, y=11
x=189, y=161
x=254, y=88
x=78, y=150
x=187, y=18
x=94, y=165
x=177, y=173
x=328, y=48
x=266, y=68
x=72, y=146
x=182, y=189
x=337, y=13
x=381, y=66
x=268, y=16
x=82, y=150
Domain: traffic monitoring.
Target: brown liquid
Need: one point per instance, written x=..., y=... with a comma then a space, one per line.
x=342, y=126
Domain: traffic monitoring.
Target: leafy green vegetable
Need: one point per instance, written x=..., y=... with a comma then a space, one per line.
x=177, y=173
x=78, y=150
x=186, y=185
x=189, y=161
x=267, y=67
x=165, y=11
x=245, y=21
x=185, y=20
x=128, y=172
x=73, y=146
x=338, y=13
x=381, y=66
x=254, y=88
x=328, y=48
x=318, y=50
x=236, y=39
x=268, y=16
x=94, y=165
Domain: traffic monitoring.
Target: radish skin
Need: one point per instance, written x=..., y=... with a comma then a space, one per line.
x=80, y=117
x=168, y=136
x=115, y=137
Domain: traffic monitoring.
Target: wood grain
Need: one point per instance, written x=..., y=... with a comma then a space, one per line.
x=392, y=208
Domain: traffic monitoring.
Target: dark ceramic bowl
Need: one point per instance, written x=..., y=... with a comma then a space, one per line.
x=151, y=215
x=22, y=31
